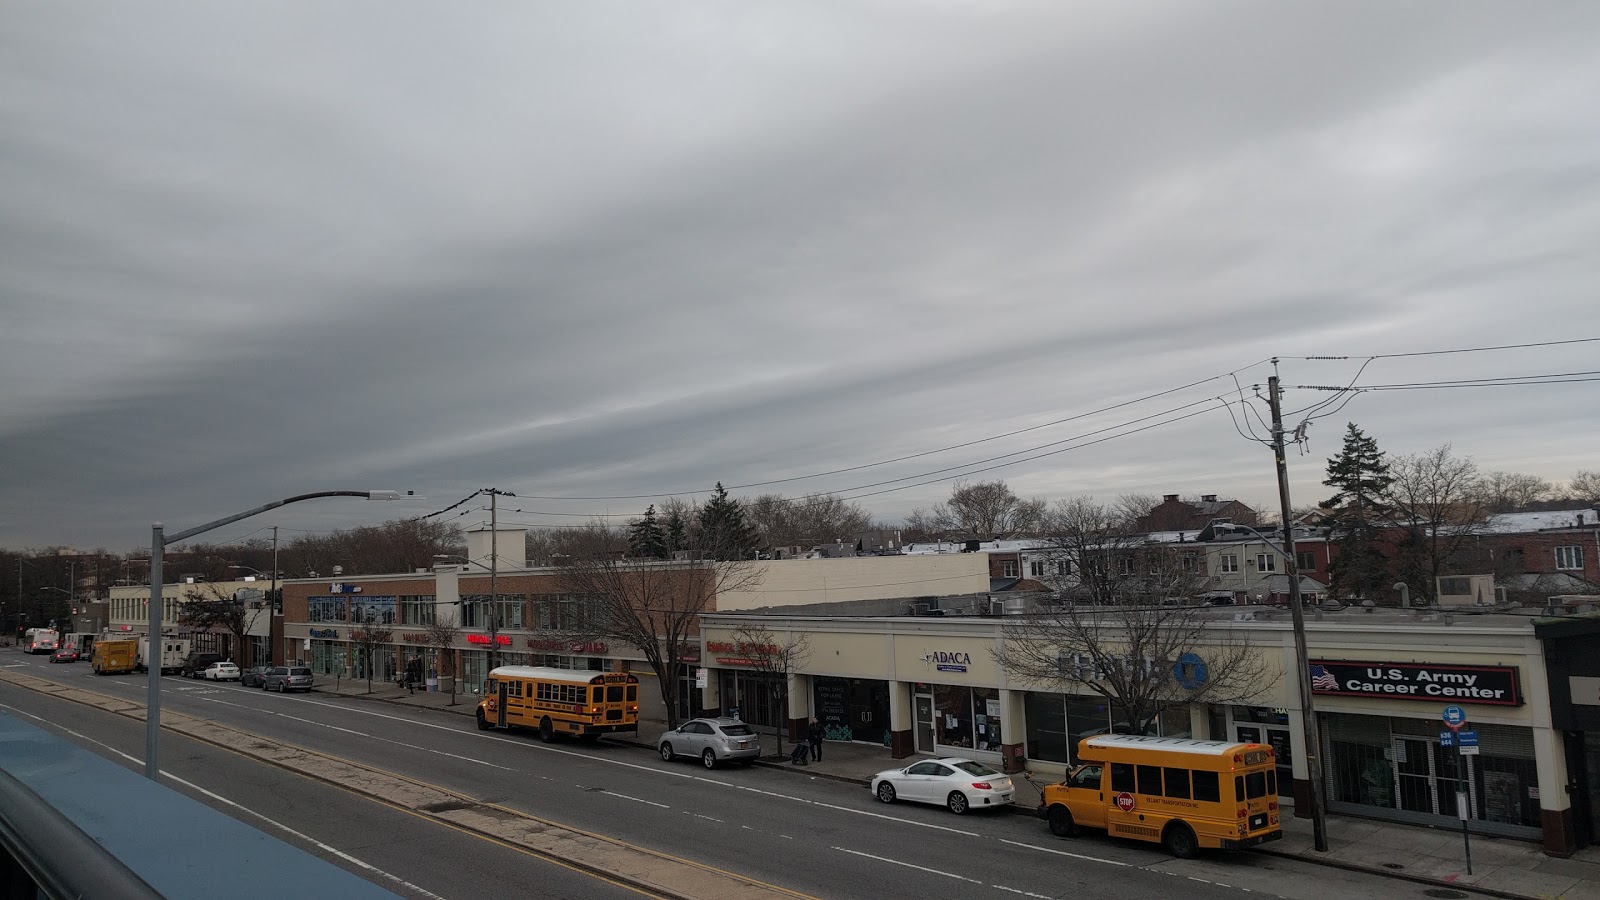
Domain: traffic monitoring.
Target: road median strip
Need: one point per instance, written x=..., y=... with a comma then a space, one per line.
x=640, y=867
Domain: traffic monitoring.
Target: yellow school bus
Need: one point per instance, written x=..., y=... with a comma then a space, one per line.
x=560, y=701
x=1183, y=793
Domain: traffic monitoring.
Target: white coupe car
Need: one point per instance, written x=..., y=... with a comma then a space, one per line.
x=959, y=784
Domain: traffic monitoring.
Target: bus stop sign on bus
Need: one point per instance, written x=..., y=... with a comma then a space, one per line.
x=1125, y=801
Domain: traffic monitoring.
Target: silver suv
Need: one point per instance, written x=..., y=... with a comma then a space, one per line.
x=287, y=678
x=713, y=741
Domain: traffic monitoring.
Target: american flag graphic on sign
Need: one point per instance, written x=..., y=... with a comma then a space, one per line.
x=1323, y=680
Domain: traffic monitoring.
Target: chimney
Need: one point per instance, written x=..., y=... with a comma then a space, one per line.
x=1169, y=498
x=1208, y=498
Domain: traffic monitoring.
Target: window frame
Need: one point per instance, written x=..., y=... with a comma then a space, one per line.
x=1569, y=558
x=1228, y=563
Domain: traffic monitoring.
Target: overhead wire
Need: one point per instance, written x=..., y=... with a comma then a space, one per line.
x=911, y=456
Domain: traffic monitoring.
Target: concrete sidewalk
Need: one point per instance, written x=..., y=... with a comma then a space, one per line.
x=1432, y=856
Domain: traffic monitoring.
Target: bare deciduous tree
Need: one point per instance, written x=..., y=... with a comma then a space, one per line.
x=1505, y=492
x=1436, y=500
x=775, y=657
x=805, y=521
x=1143, y=657
x=1125, y=627
x=368, y=639
x=1585, y=486
x=652, y=605
x=982, y=509
x=210, y=606
x=443, y=632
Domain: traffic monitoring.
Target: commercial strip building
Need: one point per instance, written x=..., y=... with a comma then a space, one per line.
x=921, y=684
x=540, y=622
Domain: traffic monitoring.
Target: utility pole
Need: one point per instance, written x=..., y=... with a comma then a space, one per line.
x=494, y=580
x=1308, y=715
x=275, y=602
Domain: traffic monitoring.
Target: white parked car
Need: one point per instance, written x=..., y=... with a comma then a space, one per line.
x=959, y=784
x=221, y=671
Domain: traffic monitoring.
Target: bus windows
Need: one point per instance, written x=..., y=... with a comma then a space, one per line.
x=1176, y=783
x=633, y=693
x=1272, y=782
x=1122, y=778
x=1255, y=785
x=1149, y=780
x=614, y=693
x=1206, y=787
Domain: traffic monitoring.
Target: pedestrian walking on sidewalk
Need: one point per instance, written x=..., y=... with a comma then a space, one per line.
x=814, y=736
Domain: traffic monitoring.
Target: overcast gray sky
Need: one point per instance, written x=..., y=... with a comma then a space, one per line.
x=601, y=249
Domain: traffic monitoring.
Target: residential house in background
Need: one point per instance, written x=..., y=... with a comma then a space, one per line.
x=1173, y=514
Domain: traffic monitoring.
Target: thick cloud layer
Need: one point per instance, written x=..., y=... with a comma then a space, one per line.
x=604, y=250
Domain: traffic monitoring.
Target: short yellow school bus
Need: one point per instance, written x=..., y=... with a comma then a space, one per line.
x=1183, y=793
x=560, y=701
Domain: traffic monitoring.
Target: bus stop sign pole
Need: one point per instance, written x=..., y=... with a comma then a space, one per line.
x=1454, y=718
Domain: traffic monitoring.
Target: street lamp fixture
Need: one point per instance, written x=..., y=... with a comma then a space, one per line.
x=158, y=544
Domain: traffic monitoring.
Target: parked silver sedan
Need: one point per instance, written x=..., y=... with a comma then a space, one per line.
x=713, y=741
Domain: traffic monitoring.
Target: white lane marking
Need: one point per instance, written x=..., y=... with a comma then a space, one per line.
x=1109, y=862
x=636, y=799
x=352, y=731
x=243, y=809
x=909, y=865
x=542, y=748
x=1001, y=887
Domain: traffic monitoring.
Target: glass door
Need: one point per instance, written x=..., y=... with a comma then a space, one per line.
x=1426, y=776
x=924, y=704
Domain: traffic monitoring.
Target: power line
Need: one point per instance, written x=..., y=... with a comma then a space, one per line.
x=911, y=456
x=1458, y=350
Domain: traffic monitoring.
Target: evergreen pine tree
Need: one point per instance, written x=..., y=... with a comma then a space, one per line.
x=677, y=534
x=645, y=537
x=1357, y=514
x=724, y=533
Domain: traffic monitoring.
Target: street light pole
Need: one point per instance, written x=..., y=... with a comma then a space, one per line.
x=1308, y=714
x=158, y=545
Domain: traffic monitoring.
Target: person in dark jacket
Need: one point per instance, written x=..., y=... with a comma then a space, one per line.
x=814, y=734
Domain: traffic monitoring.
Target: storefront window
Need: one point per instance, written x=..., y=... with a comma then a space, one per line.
x=1086, y=717
x=852, y=709
x=1047, y=726
x=952, y=707
x=1174, y=722
x=986, y=715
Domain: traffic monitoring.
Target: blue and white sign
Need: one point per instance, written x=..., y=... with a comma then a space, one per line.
x=1454, y=716
x=948, y=660
x=1469, y=738
x=1447, y=738
x=1190, y=672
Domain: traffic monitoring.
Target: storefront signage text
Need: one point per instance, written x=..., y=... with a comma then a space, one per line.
x=415, y=637
x=568, y=646
x=1491, y=685
x=948, y=660
x=324, y=632
x=341, y=588
x=745, y=647
x=484, y=639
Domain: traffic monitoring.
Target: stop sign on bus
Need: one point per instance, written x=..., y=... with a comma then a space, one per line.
x=1125, y=801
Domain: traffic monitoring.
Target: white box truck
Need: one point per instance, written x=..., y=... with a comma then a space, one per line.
x=173, y=652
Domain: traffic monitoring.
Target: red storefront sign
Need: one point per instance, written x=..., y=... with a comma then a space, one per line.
x=484, y=639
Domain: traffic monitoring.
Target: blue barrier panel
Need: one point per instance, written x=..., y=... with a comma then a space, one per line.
x=177, y=845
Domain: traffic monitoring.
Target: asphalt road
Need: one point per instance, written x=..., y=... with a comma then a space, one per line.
x=816, y=836
x=406, y=854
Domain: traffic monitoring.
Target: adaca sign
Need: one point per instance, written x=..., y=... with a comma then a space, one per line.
x=1490, y=685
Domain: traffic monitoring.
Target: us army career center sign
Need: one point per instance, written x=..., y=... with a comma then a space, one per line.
x=1491, y=685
